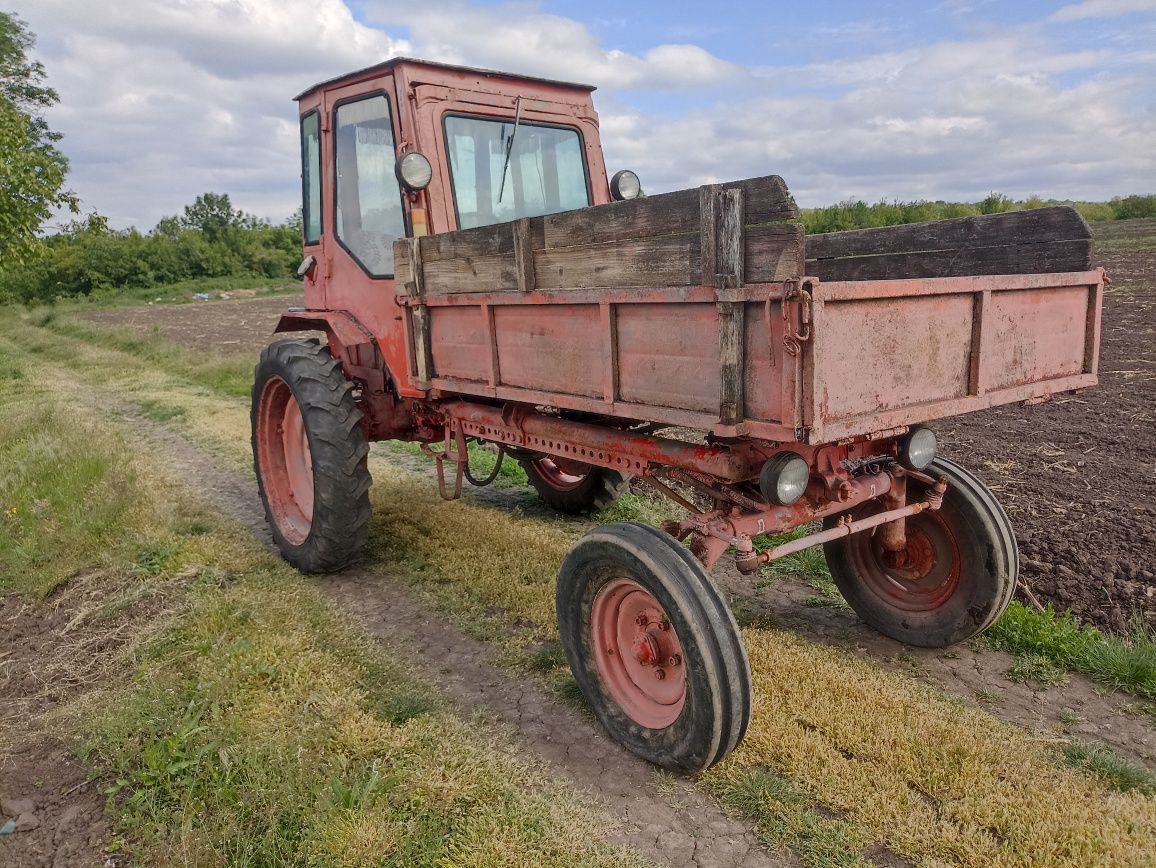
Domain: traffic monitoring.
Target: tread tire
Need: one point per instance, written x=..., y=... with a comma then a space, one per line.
x=598, y=491
x=718, y=704
x=989, y=568
x=338, y=449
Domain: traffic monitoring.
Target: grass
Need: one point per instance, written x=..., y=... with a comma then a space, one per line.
x=231, y=376
x=1104, y=763
x=181, y=292
x=1122, y=663
x=887, y=761
x=231, y=714
x=1037, y=668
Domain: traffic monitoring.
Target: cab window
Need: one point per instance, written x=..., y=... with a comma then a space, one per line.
x=546, y=171
x=368, y=196
x=311, y=177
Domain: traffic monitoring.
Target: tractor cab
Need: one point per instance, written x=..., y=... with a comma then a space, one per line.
x=410, y=148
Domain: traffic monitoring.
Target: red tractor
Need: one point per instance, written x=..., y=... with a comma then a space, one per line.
x=476, y=276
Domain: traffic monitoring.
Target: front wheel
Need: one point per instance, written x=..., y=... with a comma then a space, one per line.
x=310, y=456
x=573, y=487
x=653, y=646
x=954, y=579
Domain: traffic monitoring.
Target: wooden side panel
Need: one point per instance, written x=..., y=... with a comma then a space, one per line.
x=1043, y=240
x=668, y=355
x=654, y=241
x=553, y=348
x=458, y=341
x=763, y=365
x=889, y=353
x=1012, y=354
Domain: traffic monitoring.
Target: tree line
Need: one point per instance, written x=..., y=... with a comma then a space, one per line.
x=210, y=239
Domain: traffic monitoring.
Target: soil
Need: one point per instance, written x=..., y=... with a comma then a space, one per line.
x=1077, y=475
x=58, y=811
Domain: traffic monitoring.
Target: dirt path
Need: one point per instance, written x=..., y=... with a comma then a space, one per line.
x=670, y=821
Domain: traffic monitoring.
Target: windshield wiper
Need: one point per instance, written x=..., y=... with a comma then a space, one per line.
x=510, y=145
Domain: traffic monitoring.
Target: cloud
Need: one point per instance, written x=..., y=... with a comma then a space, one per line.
x=519, y=38
x=1102, y=9
x=165, y=99
x=162, y=100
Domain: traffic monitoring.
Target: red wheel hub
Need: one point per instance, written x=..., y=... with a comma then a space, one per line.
x=285, y=461
x=638, y=654
x=920, y=578
x=560, y=474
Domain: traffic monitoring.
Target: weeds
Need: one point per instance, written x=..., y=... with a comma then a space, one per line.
x=1100, y=761
x=1036, y=667
x=1121, y=663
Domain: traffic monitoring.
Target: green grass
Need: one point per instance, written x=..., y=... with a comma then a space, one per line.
x=1100, y=761
x=228, y=375
x=786, y=818
x=1122, y=663
x=179, y=293
x=1037, y=668
x=237, y=717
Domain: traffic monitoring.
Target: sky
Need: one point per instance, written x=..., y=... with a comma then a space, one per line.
x=162, y=100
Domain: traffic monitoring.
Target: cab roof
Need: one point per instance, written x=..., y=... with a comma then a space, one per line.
x=413, y=61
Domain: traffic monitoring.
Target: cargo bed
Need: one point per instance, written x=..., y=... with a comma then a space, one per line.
x=708, y=309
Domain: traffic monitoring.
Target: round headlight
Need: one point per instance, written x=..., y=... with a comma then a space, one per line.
x=625, y=185
x=784, y=478
x=414, y=171
x=917, y=448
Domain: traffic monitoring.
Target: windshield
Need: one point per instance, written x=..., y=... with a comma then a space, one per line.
x=546, y=173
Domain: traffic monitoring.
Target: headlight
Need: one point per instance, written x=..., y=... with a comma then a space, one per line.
x=784, y=478
x=414, y=171
x=917, y=448
x=625, y=185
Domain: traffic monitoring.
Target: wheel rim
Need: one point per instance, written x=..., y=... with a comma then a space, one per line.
x=285, y=460
x=922, y=577
x=638, y=654
x=559, y=477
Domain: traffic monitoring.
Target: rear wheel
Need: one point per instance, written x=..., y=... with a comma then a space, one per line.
x=653, y=646
x=310, y=456
x=956, y=576
x=573, y=487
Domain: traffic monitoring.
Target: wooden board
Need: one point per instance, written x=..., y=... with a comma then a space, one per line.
x=1043, y=240
x=655, y=241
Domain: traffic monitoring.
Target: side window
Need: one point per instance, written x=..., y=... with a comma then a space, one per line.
x=311, y=177
x=369, y=211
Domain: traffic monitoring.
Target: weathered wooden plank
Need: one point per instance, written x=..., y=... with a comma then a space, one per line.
x=1023, y=258
x=773, y=253
x=422, y=350
x=402, y=264
x=708, y=202
x=495, y=240
x=730, y=261
x=949, y=248
x=665, y=261
x=732, y=328
x=524, y=256
x=765, y=200
x=470, y=274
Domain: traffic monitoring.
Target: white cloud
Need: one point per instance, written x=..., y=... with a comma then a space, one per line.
x=166, y=99
x=519, y=38
x=1102, y=9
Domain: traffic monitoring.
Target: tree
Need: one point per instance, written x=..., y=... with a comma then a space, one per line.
x=32, y=168
x=213, y=215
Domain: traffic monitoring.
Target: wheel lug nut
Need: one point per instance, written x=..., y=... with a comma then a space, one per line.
x=642, y=620
x=659, y=674
x=664, y=624
x=674, y=660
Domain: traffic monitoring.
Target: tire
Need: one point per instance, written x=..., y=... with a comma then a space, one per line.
x=963, y=564
x=310, y=456
x=698, y=713
x=579, y=493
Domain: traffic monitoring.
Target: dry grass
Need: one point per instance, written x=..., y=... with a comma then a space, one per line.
x=841, y=756
x=235, y=717
x=930, y=779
